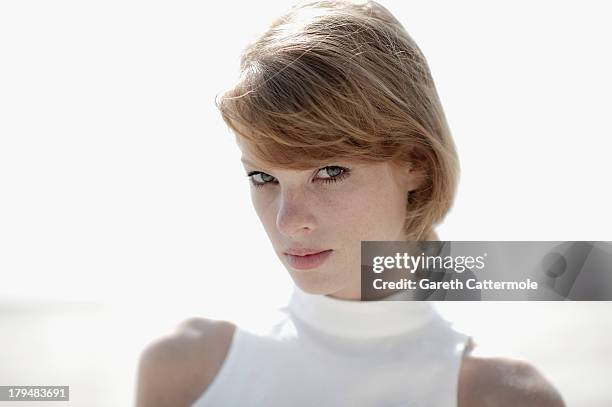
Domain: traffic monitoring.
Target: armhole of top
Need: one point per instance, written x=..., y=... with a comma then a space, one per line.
x=470, y=344
x=466, y=347
x=208, y=396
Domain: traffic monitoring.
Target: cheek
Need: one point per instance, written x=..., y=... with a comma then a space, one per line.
x=363, y=211
x=263, y=205
x=379, y=212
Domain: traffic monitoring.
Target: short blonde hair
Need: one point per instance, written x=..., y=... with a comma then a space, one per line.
x=343, y=79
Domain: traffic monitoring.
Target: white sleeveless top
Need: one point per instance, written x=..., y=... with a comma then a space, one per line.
x=330, y=352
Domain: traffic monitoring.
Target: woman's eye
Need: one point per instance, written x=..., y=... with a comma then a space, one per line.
x=259, y=179
x=332, y=173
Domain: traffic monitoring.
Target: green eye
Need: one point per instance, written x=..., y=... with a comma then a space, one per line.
x=262, y=178
x=331, y=173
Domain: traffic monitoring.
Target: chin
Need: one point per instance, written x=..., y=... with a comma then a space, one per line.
x=313, y=283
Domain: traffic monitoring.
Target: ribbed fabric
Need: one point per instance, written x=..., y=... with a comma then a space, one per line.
x=331, y=352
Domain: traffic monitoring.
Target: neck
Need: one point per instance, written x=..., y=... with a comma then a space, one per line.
x=360, y=319
x=352, y=292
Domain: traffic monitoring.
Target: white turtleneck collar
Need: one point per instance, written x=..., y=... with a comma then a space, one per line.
x=361, y=319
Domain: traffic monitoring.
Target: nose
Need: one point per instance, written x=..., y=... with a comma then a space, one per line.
x=295, y=216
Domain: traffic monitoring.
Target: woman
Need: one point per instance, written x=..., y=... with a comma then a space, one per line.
x=344, y=140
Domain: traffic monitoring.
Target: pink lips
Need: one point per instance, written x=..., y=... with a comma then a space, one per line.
x=308, y=261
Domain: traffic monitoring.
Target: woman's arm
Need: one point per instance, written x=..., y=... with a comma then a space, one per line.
x=503, y=382
x=174, y=370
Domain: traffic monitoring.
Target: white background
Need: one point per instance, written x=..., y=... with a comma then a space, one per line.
x=119, y=183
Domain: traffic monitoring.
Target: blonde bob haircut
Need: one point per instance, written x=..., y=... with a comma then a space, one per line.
x=343, y=79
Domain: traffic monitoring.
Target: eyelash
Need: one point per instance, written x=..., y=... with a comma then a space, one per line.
x=338, y=178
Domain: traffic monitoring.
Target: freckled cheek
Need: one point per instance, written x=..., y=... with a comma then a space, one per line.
x=329, y=208
x=334, y=209
x=343, y=210
x=263, y=203
x=375, y=211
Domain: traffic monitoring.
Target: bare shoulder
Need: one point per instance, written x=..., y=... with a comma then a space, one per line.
x=175, y=369
x=500, y=382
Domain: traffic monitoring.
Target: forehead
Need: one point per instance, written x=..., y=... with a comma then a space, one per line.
x=249, y=157
x=253, y=162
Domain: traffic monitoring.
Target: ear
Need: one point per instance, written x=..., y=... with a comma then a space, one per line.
x=409, y=176
x=416, y=179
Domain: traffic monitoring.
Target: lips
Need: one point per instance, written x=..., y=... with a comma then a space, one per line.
x=308, y=261
x=303, y=252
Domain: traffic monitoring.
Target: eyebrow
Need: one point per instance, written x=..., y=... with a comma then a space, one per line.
x=252, y=164
x=246, y=161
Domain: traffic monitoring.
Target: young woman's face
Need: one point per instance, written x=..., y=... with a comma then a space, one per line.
x=331, y=208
